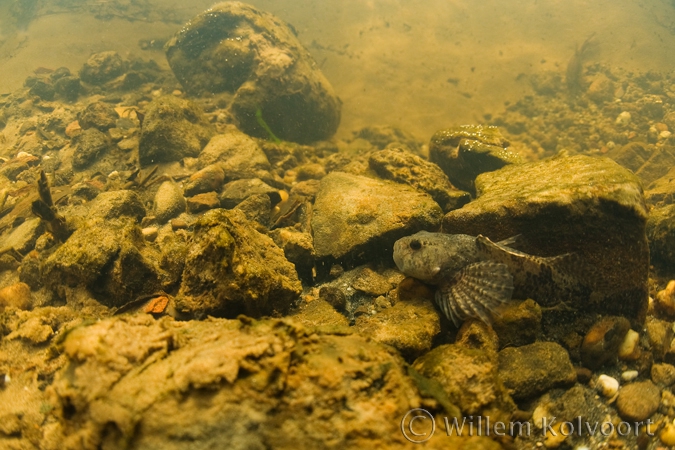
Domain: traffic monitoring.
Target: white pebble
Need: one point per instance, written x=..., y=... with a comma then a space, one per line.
x=607, y=386
x=114, y=175
x=664, y=134
x=23, y=155
x=623, y=118
x=629, y=346
x=629, y=375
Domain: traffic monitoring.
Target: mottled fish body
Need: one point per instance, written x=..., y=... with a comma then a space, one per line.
x=474, y=275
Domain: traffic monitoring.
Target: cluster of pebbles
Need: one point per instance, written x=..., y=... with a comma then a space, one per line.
x=179, y=271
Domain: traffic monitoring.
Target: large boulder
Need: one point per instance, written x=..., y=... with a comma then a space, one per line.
x=357, y=218
x=278, y=90
x=591, y=208
x=231, y=269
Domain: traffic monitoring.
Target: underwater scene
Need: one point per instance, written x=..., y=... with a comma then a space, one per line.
x=322, y=224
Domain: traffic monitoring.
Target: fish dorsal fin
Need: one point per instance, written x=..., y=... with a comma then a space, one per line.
x=475, y=291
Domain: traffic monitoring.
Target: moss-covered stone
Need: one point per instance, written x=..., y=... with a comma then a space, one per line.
x=232, y=269
x=109, y=258
x=173, y=129
x=405, y=167
x=465, y=152
x=233, y=47
x=469, y=378
x=533, y=369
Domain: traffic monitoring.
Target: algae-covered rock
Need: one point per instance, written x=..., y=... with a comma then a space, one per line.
x=404, y=167
x=169, y=201
x=108, y=257
x=236, y=154
x=173, y=129
x=102, y=67
x=232, y=269
x=465, y=152
x=89, y=145
x=114, y=204
x=22, y=238
x=533, y=369
x=588, y=207
x=254, y=385
x=408, y=326
x=355, y=216
x=470, y=379
x=99, y=115
x=233, y=47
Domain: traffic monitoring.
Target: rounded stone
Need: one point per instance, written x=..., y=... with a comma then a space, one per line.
x=638, y=401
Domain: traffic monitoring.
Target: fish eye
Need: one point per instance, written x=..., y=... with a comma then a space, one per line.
x=415, y=245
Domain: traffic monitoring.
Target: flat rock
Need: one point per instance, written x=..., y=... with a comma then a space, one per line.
x=22, y=238
x=587, y=206
x=237, y=191
x=408, y=326
x=278, y=90
x=404, y=167
x=231, y=269
x=533, y=369
x=173, y=129
x=355, y=216
x=237, y=155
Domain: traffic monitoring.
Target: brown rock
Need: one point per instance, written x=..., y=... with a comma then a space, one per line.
x=601, y=343
x=663, y=374
x=408, y=326
x=533, y=369
x=203, y=202
x=638, y=401
x=519, y=323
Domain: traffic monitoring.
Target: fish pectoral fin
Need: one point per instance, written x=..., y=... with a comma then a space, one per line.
x=475, y=291
x=508, y=242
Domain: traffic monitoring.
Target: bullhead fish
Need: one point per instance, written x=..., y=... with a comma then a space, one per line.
x=474, y=275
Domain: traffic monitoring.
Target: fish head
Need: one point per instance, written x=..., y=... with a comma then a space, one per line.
x=430, y=256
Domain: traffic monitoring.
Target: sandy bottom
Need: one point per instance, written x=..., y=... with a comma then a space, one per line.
x=420, y=65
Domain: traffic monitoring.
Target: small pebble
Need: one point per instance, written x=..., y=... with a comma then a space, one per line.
x=629, y=375
x=630, y=348
x=150, y=233
x=623, y=118
x=667, y=435
x=665, y=299
x=16, y=295
x=607, y=386
x=664, y=134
